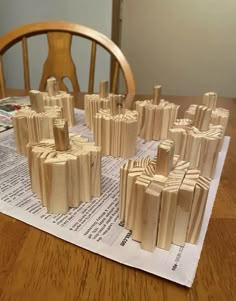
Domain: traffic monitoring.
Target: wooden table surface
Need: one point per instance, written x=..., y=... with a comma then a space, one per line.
x=38, y=266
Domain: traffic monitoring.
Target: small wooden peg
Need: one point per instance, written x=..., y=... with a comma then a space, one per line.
x=156, y=94
x=103, y=89
x=52, y=87
x=61, y=134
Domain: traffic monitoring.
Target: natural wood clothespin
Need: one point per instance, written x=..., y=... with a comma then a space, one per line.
x=165, y=154
x=185, y=199
x=210, y=100
x=150, y=216
x=36, y=101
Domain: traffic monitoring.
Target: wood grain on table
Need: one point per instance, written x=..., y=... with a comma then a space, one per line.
x=36, y=266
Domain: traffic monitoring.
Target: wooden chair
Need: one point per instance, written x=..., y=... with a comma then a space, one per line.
x=59, y=62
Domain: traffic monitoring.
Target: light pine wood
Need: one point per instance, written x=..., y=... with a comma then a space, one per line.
x=116, y=134
x=198, y=207
x=61, y=135
x=185, y=199
x=154, y=119
x=52, y=86
x=36, y=101
x=32, y=127
x=210, y=100
x=56, y=179
x=140, y=187
x=156, y=94
x=169, y=200
x=165, y=155
x=54, y=100
x=157, y=123
x=150, y=216
x=77, y=169
x=59, y=62
x=103, y=89
x=129, y=202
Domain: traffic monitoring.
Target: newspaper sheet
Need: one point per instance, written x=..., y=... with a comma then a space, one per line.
x=95, y=226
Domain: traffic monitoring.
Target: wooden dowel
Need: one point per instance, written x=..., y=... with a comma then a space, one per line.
x=156, y=94
x=165, y=155
x=103, y=89
x=61, y=134
x=52, y=87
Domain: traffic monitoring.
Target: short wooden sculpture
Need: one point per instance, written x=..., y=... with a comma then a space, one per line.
x=156, y=116
x=36, y=124
x=93, y=103
x=53, y=97
x=207, y=113
x=64, y=172
x=162, y=200
x=32, y=127
x=198, y=137
x=116, y=134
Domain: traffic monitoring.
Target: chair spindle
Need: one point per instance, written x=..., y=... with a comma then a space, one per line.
x=26, y=64
x=115, y=78
x=2, y=82
x=92, y=67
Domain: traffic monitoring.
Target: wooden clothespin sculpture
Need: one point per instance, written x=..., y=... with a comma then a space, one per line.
x=205, y=115
x=36, y=124
x=156, y=117
x=31, y=127
x=93, y=103
x=65, y=171
x=53, y=97
x=116, y=134
x=162, y=200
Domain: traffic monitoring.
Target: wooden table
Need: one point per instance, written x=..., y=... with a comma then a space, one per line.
x=38, y=266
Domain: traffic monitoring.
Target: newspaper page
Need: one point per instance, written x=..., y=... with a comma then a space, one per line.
x=95, y=226
x=8, y=107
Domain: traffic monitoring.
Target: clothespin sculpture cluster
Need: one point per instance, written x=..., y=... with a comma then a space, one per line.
x=65, y=171
x=162, y=200
x=105, y=101
x=198, y=137
x=36, y=124
x=53, y=97
x=32, y=127
x=156, y=117
x=116, y=134
x=207, y=113
x=199, y=148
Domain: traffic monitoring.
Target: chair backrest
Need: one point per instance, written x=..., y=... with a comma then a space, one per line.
x=59, y=62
